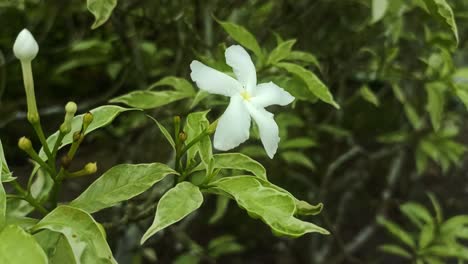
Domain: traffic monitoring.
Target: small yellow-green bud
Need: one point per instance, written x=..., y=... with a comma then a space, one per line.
x=87, y=118
x=90, y=168
x=71, y=108
x=25, y=144
x=182, y=136
x=177, y=119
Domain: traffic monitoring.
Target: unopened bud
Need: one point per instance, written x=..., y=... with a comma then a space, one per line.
x=25, y=47
x=87, y=120
x=25, y=144
x=182, y=136
x=90, y=168
x=70, y=110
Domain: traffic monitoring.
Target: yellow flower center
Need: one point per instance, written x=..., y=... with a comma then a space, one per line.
x=246, y=95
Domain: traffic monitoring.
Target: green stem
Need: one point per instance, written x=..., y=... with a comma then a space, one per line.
x=27, y=197
x=33, y=154
x=57, y=144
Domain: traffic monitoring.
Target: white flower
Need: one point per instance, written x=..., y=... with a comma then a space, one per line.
x=25, y=47
x=247, y=100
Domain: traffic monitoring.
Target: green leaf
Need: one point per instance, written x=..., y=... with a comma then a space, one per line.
x=222, y=203
x=40, y=189
x=175, y=204
x=282, y=51
x=19, y=247
x=443, y=12
x=240, y=162
x=295, y=157
x=435, y=103
x=454, y=225
x=82, y=232
x=298, y=143
x=195, y=125
x=5, y=174
x=164, y=131
x=150, y=99
x=304, y=208
x=242, y=36
x=368, y=95
x=417, y=213
x=224, y=245
x=56, y=247
x=397, y=232
x=179, y=84
x=426, y=236
x=120, y=183
x=379, y=8
x=273, y=207
x=395, y=250
x=3, y=203
x=313, y=83
x=437, y=207
x=101, y=9
x=305, y=57
x=102, y=116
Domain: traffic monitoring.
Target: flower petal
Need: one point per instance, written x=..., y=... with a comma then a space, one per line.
x=233, y=126
x=266, y=94
x=244, y=69
x=269, y=133
x=213, y=81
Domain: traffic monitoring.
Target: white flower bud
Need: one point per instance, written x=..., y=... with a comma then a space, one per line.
x=25, y=47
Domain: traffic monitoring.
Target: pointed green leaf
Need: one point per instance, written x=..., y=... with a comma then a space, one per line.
x=397, y=232
x=240, y=162
x=102, y=116
x=82, y=232
x=19, y=247
x=101, y=9
x=417, y=213
x=176, y=204
x=273, y=207
x=313, y=83
x=299, y=158
x=2, y=203
x=195, y=125
x=305, y=57
x=120, y=183
x=395, y=250
x=368, y=95
x=150, y=99
x=435, y=103
x=179, y=84
x=243, y=37
x=164, y=131
x=443, y=12
x=379, y=8
x=56, y=247
x=282, y=51
x=5, y=174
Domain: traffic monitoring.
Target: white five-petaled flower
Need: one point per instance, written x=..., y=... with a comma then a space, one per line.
x=25, y=47
x=247, y=100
